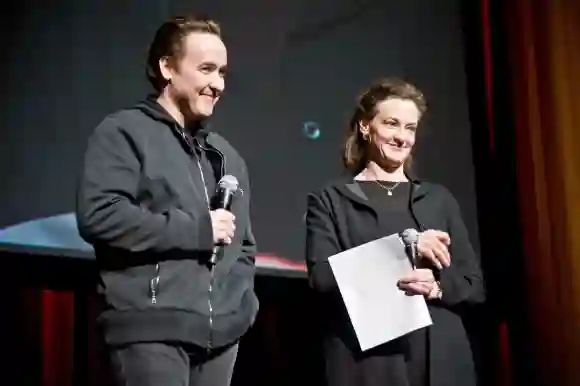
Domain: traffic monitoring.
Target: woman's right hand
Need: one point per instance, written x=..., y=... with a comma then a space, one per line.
x=433, y=245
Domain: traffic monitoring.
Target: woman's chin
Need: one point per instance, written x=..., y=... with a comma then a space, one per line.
x=394, y=160
x=391, y=164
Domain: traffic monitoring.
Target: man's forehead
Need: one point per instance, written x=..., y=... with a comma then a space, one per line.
x=205, y=45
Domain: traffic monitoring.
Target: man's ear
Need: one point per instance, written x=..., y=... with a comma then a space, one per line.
x=166, y=67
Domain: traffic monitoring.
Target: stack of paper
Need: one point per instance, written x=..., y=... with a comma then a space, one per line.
x=367, y=277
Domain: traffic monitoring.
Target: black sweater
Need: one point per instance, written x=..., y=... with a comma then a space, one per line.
x=335, y=212
x=143, y=205
x=341, y=216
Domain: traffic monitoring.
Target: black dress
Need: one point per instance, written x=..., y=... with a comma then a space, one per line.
x=401, y=362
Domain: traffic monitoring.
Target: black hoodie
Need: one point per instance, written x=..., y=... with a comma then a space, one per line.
x=143, y=203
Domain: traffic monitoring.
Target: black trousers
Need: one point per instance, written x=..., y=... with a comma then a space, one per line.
x=160, y=364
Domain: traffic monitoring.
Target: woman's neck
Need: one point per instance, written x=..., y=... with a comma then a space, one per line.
x=374, y=171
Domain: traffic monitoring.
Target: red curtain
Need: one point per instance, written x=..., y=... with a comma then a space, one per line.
x=544, y=64
x=38, y=330
x=57, y=338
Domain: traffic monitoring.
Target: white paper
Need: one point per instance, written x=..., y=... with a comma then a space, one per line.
x=367, y=278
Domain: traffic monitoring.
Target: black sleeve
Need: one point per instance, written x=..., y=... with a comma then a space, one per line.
x=462, y=282
x=107, y=210
x=249, y=248
x=321, y=243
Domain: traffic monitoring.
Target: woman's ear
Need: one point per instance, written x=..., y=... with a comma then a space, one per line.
x=364, y=128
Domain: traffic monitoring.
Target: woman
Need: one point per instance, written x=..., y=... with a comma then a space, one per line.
x=379, y=198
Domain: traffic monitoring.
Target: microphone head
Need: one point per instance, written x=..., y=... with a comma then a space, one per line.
x=229, y=182
x=410, y=236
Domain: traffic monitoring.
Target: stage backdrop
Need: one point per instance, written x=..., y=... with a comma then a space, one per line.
x=296, y=69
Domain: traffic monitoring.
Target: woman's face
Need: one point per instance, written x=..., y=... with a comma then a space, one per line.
x=391, y=132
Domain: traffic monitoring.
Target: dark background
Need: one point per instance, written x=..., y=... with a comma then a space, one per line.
x=69, y=63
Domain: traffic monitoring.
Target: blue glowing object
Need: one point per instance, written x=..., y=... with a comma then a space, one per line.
x=311, y=130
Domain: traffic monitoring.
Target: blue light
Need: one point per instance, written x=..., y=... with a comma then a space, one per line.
x=311, y=130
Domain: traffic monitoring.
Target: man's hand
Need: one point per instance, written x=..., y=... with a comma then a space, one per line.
x=222, y=222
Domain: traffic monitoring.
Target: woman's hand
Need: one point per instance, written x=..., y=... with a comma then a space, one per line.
x=433, y=246
x=420, y=282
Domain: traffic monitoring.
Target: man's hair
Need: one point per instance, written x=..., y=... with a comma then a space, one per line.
x=355, y=151
x=168, y=43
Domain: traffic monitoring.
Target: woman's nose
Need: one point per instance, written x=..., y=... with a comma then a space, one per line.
x=399, y=133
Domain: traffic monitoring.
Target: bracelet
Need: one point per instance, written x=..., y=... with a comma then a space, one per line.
x=439, y=293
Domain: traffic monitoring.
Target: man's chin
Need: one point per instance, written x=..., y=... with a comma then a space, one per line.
x=195, y=112
x=202, y=112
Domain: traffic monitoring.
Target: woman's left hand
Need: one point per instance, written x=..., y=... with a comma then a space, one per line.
x=420, y=282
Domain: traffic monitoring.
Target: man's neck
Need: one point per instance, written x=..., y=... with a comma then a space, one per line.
x=171, y=107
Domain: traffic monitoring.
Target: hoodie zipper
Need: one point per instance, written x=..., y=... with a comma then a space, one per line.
x=212, y=266
x=154, y=282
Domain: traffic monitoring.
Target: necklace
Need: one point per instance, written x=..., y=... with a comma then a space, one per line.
x=388, y=189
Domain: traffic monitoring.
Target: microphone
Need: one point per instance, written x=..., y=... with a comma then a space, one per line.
x=410, y=237
x=227, y=188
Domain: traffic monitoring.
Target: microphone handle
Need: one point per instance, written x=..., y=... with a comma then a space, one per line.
x=225, y=202
x=212, y=259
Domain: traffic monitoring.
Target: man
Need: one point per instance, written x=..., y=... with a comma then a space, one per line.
x=173, y=314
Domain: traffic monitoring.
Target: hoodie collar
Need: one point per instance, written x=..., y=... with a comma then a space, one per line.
x=153, y=109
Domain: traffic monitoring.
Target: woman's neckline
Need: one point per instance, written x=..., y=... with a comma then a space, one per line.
x=394, y=182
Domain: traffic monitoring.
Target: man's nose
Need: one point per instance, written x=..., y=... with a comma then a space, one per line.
x=218, y=83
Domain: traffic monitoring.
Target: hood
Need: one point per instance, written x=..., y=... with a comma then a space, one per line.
x=153, y=109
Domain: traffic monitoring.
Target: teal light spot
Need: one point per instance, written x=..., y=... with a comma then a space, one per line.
x=311, y=130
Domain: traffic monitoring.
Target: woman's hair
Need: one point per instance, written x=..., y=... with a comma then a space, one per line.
x=168, y=42
x=355, y=151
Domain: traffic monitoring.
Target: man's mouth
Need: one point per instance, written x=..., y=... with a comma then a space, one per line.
x=209, y=96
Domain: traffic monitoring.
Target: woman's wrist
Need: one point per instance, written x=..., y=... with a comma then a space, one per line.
x=436, y=292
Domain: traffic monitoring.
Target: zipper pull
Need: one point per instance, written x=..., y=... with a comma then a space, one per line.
x=153, y=284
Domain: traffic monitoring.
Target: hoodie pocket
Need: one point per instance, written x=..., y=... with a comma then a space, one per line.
x=180, y=284
x=177, y=284
x=132, y=288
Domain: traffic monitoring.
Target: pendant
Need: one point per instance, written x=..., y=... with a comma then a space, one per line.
x=390, y=193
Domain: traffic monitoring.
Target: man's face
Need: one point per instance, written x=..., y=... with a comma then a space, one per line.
x=197, y=78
